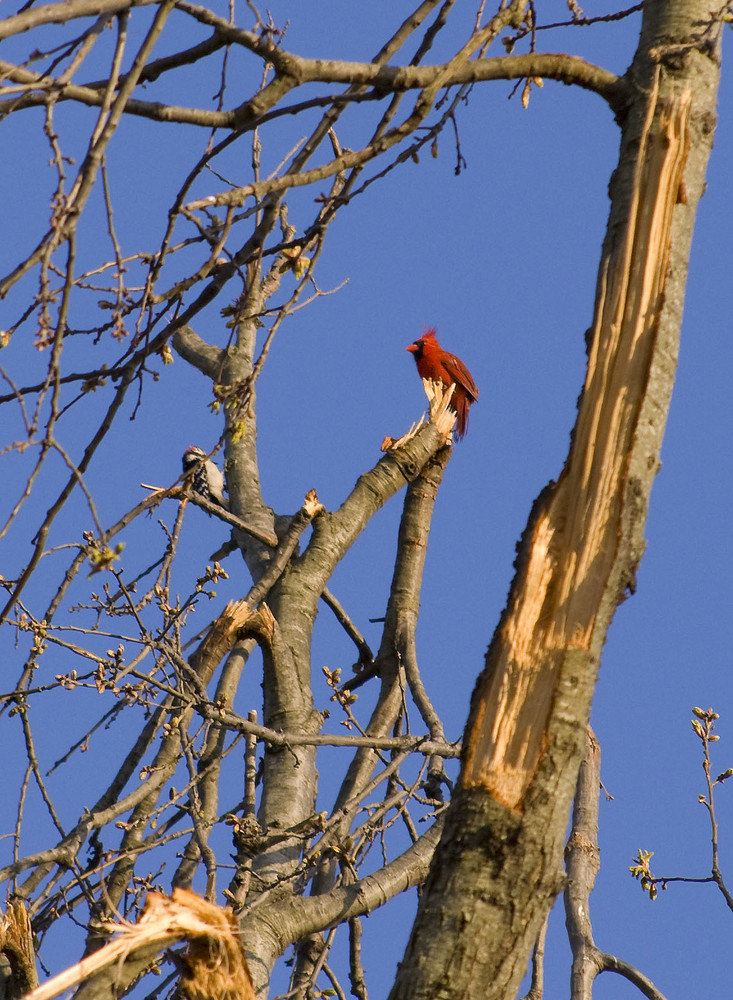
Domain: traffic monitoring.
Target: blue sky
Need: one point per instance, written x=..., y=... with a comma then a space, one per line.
x=502, y=260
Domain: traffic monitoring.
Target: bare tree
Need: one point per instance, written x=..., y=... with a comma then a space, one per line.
x=296, y=875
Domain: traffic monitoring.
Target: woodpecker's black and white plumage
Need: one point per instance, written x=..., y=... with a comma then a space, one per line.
x=208, y=480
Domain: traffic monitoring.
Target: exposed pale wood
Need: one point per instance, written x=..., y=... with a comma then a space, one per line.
x=220, y=638
x=214, y=965
x=16, y=947
x=574, y=540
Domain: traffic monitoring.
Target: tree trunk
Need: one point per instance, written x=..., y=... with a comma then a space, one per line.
x=498, y=866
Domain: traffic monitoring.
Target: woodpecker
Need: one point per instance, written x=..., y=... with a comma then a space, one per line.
x=208, y=480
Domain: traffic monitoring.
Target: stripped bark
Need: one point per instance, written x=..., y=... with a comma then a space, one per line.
x=498, y=866
x=500, y=862
x=18, y=974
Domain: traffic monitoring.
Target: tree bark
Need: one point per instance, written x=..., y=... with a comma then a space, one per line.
x=498, y=865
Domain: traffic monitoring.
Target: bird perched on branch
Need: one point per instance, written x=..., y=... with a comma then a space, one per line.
x=439, y=366
x=208, y=479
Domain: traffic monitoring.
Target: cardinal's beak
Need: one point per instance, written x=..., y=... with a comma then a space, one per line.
x=412, y=348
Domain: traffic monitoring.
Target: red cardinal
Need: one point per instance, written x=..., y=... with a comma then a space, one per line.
x=440, y=366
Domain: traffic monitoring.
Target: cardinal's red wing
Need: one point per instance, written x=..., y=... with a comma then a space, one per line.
x=459, y=374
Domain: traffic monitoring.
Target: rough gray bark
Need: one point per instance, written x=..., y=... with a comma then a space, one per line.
x=498, y=866
x=582, y=862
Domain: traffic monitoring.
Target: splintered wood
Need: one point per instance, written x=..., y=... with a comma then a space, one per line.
x=220, y=638
x=213, y=967
x=16, y=947
x=570, y=561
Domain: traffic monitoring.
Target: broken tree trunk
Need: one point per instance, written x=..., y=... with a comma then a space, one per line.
x=499, y=863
